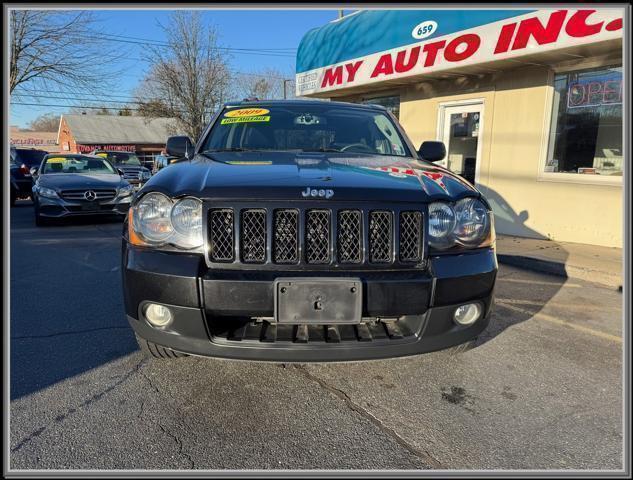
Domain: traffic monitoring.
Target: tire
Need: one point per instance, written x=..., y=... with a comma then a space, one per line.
x=39, y=220
x=151, y=350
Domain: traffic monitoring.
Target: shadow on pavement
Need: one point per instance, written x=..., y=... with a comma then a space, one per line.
x=530, y=295
x=67, y=312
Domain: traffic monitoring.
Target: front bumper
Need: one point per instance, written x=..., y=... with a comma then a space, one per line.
x=212, y=309
x=58, y=207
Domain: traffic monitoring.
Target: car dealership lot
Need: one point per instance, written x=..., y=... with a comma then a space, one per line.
x=542, y=390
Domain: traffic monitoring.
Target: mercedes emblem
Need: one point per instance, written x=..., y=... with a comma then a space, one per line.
x=90, y=195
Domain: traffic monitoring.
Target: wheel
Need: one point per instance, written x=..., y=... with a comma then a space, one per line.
x=152, y=350
x=39, y=220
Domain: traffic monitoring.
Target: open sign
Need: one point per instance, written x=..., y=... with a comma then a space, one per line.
x=594, y=93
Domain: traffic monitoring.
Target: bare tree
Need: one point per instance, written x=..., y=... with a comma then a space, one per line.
x=189, y=78
x=48, y=122
x=59, y=48
x=267, y=84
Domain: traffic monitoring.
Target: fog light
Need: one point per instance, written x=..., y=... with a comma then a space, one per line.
x=467, y=314
x=158, y=315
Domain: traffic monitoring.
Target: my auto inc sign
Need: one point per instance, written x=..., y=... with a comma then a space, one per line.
x=518, y=35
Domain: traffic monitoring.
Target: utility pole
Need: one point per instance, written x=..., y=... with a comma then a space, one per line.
x=285, y=94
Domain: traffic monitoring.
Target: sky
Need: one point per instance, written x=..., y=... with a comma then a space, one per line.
x=250, y=29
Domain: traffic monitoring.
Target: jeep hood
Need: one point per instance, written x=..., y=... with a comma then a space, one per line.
x=285, y=175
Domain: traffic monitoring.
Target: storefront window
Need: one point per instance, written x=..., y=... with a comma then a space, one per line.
x=586, y=132
x=391, y=103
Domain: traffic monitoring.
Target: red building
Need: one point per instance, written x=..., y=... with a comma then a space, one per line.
x=85, y=133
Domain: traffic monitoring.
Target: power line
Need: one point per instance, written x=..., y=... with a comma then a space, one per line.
x=161, y=42
x=85, y=107
x=228, y=49
x=102, y=99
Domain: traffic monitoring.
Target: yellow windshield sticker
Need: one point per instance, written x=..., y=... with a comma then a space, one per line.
x=55, y=160
x=247, y=112
x=229, y=121
x=102, y=155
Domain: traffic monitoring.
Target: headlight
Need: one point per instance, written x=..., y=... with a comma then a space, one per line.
x=126, y=190
x=157, y=220
x=186, y=217
x=441, y=225
x=47, y=192
x=145, y=175
x=473, y=221
x=152, y=219
x=468, y=222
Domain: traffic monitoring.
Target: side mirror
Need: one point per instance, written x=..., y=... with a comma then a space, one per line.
x=432, y=151
x=180, y=146
x=121, y=172
x=33, y=171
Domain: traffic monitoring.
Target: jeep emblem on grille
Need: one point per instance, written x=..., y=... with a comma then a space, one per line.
x=314, y=192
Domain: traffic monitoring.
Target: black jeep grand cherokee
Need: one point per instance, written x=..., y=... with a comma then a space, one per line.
x=306, y=231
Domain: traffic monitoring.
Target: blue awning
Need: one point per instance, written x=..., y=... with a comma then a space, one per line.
x=372, y=31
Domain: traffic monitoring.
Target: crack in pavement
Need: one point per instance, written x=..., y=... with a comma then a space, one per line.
x=179, y=443
x=71, y=332
x=63, y=416
x=418, y=452
x=164, y=429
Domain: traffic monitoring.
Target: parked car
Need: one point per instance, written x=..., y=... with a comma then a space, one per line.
x=307, y=231
x=162, y=161
x=22, y=160
x=73, y=185
x=129, y=163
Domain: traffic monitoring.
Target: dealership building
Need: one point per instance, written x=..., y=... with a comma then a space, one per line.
x=528, y=103
x=85, y=133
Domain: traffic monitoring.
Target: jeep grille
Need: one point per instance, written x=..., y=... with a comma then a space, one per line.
x=319, y=237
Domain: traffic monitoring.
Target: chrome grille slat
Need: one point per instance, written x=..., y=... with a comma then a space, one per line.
x=410, y=236
x=349, y=236
x=253, y=236
x=101, y=194
x=318, y=236
x=380, y=236
x=221, y=235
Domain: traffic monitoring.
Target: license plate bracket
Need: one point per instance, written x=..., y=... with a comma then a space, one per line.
x=319, y=301
x=89, y=207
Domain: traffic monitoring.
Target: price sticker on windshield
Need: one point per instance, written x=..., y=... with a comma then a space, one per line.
x=246, y=112
x=246, y=115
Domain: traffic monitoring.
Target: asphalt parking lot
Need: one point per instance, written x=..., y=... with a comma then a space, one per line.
x=543, y=389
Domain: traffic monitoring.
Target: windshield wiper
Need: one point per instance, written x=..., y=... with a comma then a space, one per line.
x=231, y=149
x=320, y=150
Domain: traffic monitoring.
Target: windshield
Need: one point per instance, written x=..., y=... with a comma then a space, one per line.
x=30, y=158
x=77, y=164
x=307, y=128
x=120, y=158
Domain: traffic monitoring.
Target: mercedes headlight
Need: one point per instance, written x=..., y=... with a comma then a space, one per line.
x=47, y=192
x=158, y=220
x=126, y=190
x=467, y=222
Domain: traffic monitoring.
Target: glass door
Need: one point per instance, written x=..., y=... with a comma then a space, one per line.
x=461, y=133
